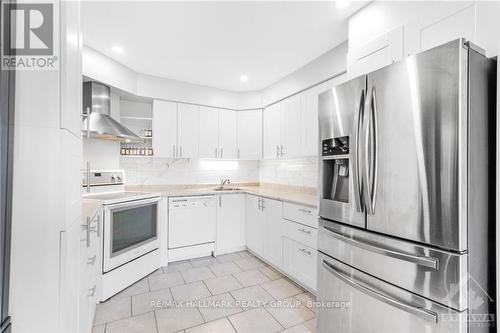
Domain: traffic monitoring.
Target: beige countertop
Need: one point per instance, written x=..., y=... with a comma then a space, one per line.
x=300, y=195
x=89, y=208
x=294, y=194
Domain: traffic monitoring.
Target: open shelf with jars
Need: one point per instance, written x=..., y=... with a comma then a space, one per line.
x=138, y=117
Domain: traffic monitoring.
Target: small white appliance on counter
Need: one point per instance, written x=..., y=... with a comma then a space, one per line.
x=130, y=245
x=191, y=227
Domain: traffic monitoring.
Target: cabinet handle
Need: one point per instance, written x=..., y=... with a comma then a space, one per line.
x=303, y=210
x=281, y=151
x=305, y=251
x=220, y=201
x=87, y=232
x=91, y=260
x=262, y=204
x=99, y=225
x=180, y=151
x=238, y=153
x=216, y=152
x=305, y=231
x=277, y=151
x=91, y=291
x=173, y=151
x=221, y=152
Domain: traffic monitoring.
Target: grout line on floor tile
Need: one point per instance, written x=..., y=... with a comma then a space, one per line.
x=156, y=322
x=279, y=323
x=207, y=288
x=231, y=323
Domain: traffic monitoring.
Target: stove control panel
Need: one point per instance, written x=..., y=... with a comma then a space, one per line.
x=103, y=177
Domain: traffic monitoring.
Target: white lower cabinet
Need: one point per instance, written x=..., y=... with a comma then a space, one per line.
x=254, y=224
x=89, y=272
x=299, y=261
x=230, y=229
x=272, y=231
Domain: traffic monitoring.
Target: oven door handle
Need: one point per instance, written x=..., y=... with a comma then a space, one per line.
x=133, y=203
x=415, y=310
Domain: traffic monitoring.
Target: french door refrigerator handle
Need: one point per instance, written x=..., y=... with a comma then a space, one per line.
x=374, y=179
x=357, y=186
x=418, y=311
x=369, y=161
x=430, y=262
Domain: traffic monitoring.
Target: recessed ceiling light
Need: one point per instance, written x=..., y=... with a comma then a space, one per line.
x=117, y=49
x=244, y=78
x=342, y=3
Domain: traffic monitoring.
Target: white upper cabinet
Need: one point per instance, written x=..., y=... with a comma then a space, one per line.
x=187, y=130
x=386, y=32
x=227, y=134
x=164, y=129
x=377, y=53
x=273, y=132
x=208, y=142
x=249, y=131
x=309, y=121
x=290, y=146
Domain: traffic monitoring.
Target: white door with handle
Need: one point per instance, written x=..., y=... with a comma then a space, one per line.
x=227, y=134
x=187, y=125
x=164, y=129
x=208, y=142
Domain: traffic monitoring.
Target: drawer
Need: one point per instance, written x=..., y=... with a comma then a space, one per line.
x=301, y=233
x=301, y=214
x=416, y=265
x=300, y=262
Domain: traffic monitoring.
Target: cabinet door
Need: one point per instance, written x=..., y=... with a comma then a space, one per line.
x=230, y=231
x=249, y=125
x=376, y=54
x=290, y=118
x=208, y=138
x=272, y=231
x=272, y=131
x=164, y=129
x=187, y=130
x=444, y=23
x=254, y=224
x=309, y=122
x=300, y=261
x=227, y=134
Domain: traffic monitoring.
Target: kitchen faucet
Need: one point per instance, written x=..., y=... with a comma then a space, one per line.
x=224, y=182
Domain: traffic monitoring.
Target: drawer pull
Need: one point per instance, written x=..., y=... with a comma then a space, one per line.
x=426, y=261
x=303, y=210
x=305, y=231
x=421, y=312
x=91, y=260
x=305, y=251
x=91, y=291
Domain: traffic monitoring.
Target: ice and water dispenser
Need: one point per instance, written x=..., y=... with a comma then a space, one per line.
x=335, y=152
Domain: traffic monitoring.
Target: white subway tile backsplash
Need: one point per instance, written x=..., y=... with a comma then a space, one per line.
x=149, y=171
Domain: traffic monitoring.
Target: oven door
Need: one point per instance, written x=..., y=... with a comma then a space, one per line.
x=130, y=231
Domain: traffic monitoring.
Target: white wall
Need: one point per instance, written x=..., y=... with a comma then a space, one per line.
x=294, y=172
x=159, y=171
x=327, y=65
x=102, y=68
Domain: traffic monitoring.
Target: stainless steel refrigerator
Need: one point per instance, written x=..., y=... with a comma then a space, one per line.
x=407, y=197
x=6, y=153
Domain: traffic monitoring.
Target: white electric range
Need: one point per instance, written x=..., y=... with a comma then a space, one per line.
x=130, y=230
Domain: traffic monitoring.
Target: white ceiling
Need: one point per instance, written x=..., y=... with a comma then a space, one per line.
x=214, y=43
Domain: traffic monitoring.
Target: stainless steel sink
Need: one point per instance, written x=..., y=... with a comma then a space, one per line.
x=227, y=189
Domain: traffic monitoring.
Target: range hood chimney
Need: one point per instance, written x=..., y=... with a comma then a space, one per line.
x=98, y=123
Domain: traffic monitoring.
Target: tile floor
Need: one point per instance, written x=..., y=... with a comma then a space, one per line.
x=234, y=292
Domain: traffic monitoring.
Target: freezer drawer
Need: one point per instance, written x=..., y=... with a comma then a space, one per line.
x=353, y=301
x=434, y=274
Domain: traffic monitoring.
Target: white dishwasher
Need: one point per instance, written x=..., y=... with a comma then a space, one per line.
x=191, y=221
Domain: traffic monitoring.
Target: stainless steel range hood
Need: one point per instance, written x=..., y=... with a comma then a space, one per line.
x=98, y=123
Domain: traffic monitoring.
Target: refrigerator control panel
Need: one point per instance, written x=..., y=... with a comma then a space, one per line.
x=335, y=146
